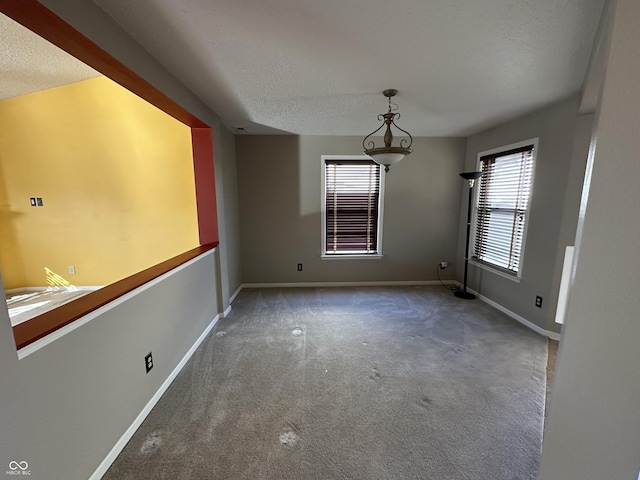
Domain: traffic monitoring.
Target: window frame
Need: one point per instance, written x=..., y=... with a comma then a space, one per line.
x=323, y=211
x=497, y=269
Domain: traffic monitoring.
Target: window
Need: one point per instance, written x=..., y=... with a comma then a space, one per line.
x=352, y=207
x=502, y=205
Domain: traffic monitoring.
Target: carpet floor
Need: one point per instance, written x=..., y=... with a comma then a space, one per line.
x=350, y=383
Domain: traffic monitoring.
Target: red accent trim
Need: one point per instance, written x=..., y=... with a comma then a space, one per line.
x=49, y=26
x=202, y=144
x=42, y=325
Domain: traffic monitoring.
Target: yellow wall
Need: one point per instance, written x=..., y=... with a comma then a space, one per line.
x=116, y=177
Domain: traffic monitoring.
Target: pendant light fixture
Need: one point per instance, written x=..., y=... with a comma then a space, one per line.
x=388, y=155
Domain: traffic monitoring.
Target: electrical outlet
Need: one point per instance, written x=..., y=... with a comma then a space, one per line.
x=299, y=267
x=39, y=201
x=539, y=301
x=443, y=265
x=72, y=270
x=148, y=362
x=32, y=201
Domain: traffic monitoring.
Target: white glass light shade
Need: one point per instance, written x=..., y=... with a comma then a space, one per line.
x=386, y=159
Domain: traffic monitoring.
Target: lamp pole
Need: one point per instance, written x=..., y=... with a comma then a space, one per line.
x=471, y=177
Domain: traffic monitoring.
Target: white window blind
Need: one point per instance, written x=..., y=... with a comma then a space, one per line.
x=352, y=207
x=501, y=208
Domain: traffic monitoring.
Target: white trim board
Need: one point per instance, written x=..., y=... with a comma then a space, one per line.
x=565, y=283
x=235, y=294
x=348, y=284
x=515, y=316
x=72, y=288
x=53, y=336
x=124, y=439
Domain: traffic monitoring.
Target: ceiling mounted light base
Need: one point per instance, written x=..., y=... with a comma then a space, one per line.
x=388, y=155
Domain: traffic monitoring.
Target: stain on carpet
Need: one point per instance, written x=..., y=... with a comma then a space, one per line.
x=289, y=439
x=151, y=444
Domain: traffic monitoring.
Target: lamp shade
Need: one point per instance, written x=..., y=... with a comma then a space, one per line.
x=471, y=175
x=386, y=156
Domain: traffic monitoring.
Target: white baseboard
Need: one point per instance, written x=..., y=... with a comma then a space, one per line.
x=235, y=294
x=73, y=288
x=515, y=316
x=348, y=284
x=120, y=444
x=12, y=291
x=227, y=311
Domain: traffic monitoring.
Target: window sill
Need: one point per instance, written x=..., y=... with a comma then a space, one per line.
x=488, y=268
x=354, y=256
x=43, y=325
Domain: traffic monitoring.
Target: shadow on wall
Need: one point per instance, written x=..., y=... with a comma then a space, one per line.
x=9, y=253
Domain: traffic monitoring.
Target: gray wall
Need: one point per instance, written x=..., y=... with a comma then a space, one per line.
x=64, y=407
x=559, y=170
x=279, y=185
x=227, y=177
x=593, y=431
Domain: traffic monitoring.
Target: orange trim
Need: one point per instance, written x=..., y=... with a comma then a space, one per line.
x=202, y=144
x=42, y=325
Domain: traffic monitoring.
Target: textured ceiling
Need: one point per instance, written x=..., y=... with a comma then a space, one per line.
x=319, y=67
x=29, y=63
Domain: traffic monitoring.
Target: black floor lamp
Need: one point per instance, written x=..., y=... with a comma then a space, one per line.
x=471, y=177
